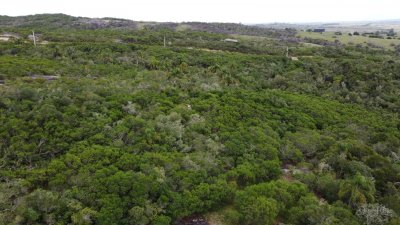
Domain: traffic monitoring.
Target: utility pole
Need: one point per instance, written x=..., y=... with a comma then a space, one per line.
x=34, y=38
x=287, y=51
x=164, y=41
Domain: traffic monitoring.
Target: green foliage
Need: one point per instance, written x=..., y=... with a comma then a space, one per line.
x=357, y=190
x=132, y=132
x=259, y=211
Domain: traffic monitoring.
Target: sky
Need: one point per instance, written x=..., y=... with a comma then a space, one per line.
x=239, y=11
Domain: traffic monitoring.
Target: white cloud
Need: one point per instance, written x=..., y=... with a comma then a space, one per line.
x=250, y=11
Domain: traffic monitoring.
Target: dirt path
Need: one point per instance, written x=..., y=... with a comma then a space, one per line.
x=192, y=220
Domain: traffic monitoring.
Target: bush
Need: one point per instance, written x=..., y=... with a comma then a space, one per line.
x=374, y=214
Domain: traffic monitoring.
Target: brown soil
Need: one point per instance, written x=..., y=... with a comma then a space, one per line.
x=192, y=220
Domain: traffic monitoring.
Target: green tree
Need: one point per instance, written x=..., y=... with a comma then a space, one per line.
x=138, y=216
x=260, y=210
x=357, y=190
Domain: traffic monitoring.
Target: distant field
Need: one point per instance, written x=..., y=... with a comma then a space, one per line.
x=346, y=39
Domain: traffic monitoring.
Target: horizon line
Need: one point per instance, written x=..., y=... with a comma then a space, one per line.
x=195, y=21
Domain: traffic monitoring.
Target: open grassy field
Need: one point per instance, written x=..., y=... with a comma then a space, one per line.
x=347, y=39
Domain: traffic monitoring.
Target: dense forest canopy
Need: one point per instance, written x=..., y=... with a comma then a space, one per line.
x=109, y=121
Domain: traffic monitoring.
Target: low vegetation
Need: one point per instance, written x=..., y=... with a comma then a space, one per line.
x=129, y=131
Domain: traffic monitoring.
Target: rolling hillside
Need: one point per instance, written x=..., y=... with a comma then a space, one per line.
x=110, y=121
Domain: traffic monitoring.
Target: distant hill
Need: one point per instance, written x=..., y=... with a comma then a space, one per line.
x=66, y=21
x=366, y=26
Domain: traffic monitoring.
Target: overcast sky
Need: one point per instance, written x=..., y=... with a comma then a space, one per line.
x=247, y=11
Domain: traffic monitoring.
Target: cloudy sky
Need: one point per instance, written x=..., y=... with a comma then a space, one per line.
x=248, y=11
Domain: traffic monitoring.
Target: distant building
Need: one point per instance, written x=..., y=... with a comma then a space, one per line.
x=231, y=40
x=319, y=30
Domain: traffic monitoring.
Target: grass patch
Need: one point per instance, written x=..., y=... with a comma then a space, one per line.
x=354, y=39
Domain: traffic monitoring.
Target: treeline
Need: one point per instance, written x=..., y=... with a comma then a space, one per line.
x=57, y=21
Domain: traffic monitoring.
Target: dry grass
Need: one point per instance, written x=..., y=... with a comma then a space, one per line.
x=346, y=39
x=215, y=218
